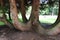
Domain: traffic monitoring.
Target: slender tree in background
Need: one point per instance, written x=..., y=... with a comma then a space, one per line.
x=23, y=11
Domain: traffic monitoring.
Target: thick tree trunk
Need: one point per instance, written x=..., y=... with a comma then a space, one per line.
x=35, y=17
x=14, y=16
x=35, y=10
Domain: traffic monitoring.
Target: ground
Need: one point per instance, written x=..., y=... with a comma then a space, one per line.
x=13, y=34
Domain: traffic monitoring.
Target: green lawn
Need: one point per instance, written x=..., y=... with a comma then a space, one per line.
x=48, y=19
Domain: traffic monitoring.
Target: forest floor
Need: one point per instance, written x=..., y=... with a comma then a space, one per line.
x=13, y=34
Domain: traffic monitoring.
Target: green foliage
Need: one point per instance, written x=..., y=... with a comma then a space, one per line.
x=47, y=9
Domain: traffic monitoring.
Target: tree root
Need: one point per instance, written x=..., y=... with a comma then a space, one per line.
x=22, y=27
x=53, y=31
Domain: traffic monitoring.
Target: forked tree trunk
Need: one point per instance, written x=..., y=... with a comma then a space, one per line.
x=14, y=16
x=33, y=20
x=34, y=17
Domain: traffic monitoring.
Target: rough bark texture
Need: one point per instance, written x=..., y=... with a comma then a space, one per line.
x=14, y=15
x=35, y=17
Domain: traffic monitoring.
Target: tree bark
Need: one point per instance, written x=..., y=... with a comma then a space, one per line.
x=35, y=18
x=23, y=10
x=33, y=22
x=14, y=16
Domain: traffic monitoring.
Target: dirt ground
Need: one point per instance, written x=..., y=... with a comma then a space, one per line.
x=13, y=34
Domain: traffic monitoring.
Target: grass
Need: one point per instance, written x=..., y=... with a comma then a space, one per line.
x=48, y=19
x=1, y=23
x=51, y=21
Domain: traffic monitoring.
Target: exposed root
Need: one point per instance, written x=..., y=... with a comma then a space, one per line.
x=53, y=31
x=22, y=27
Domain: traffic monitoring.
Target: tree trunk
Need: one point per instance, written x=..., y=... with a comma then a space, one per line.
x=35, y=17
x=23, y=11
x=14, y=16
